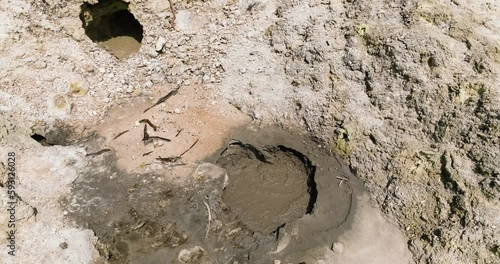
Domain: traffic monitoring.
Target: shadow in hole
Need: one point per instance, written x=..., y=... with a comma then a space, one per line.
x=311, y=172
x=109, y=19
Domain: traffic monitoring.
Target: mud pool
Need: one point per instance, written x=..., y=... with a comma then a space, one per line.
x=269, y=194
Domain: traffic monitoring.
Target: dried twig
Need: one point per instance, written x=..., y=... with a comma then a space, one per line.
x=342, y=178
x=177, y=164
x=174, y=159
x=169, y=159
x=178, y=132
x=173, y=12
x=147, y=137
x=164, y=98
x=138, y=225
x=117, y=136
x=98, y=152
x=146, y=121
x=189, y=148
x=145, y=133
x=147, y=153
x=209, y=218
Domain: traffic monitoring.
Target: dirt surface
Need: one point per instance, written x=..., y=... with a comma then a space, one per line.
x=191, y=116
x=142, y=218
x=406, y=93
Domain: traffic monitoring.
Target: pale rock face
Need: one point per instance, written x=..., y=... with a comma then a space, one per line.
x=192, y=255
x=219, y=3
x=4, y=26
x=158, y=6
x=184, y=20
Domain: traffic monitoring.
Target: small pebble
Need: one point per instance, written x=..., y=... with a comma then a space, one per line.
x=337, y=248
x=63, y=245
x=160, y=43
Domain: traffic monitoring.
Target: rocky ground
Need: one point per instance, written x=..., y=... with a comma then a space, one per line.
x=406, y=92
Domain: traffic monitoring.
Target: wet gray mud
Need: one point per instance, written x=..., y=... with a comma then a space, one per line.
x=267, y=188
x=269, y=194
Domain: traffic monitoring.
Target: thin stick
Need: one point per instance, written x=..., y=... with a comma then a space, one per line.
x=145, y=135
x=341, y=181
x=173, y=13
x=177, y=164
x=175, y=158
x=209, y=218
x=164, y=98
x=98, y=152
x=117, y=136
x=178, y=132
x=169, y=159
x=342, y=178
x=146, y=121
x=189, y=148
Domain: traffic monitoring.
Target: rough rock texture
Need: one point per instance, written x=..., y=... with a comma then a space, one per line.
x=409, y=93
x=406, y=91
x=45, y=48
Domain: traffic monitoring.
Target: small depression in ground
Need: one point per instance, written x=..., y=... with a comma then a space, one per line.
x=113, y=27
x=269, y=187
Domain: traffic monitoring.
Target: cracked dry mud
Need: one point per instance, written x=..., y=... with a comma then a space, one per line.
x=403, y=94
